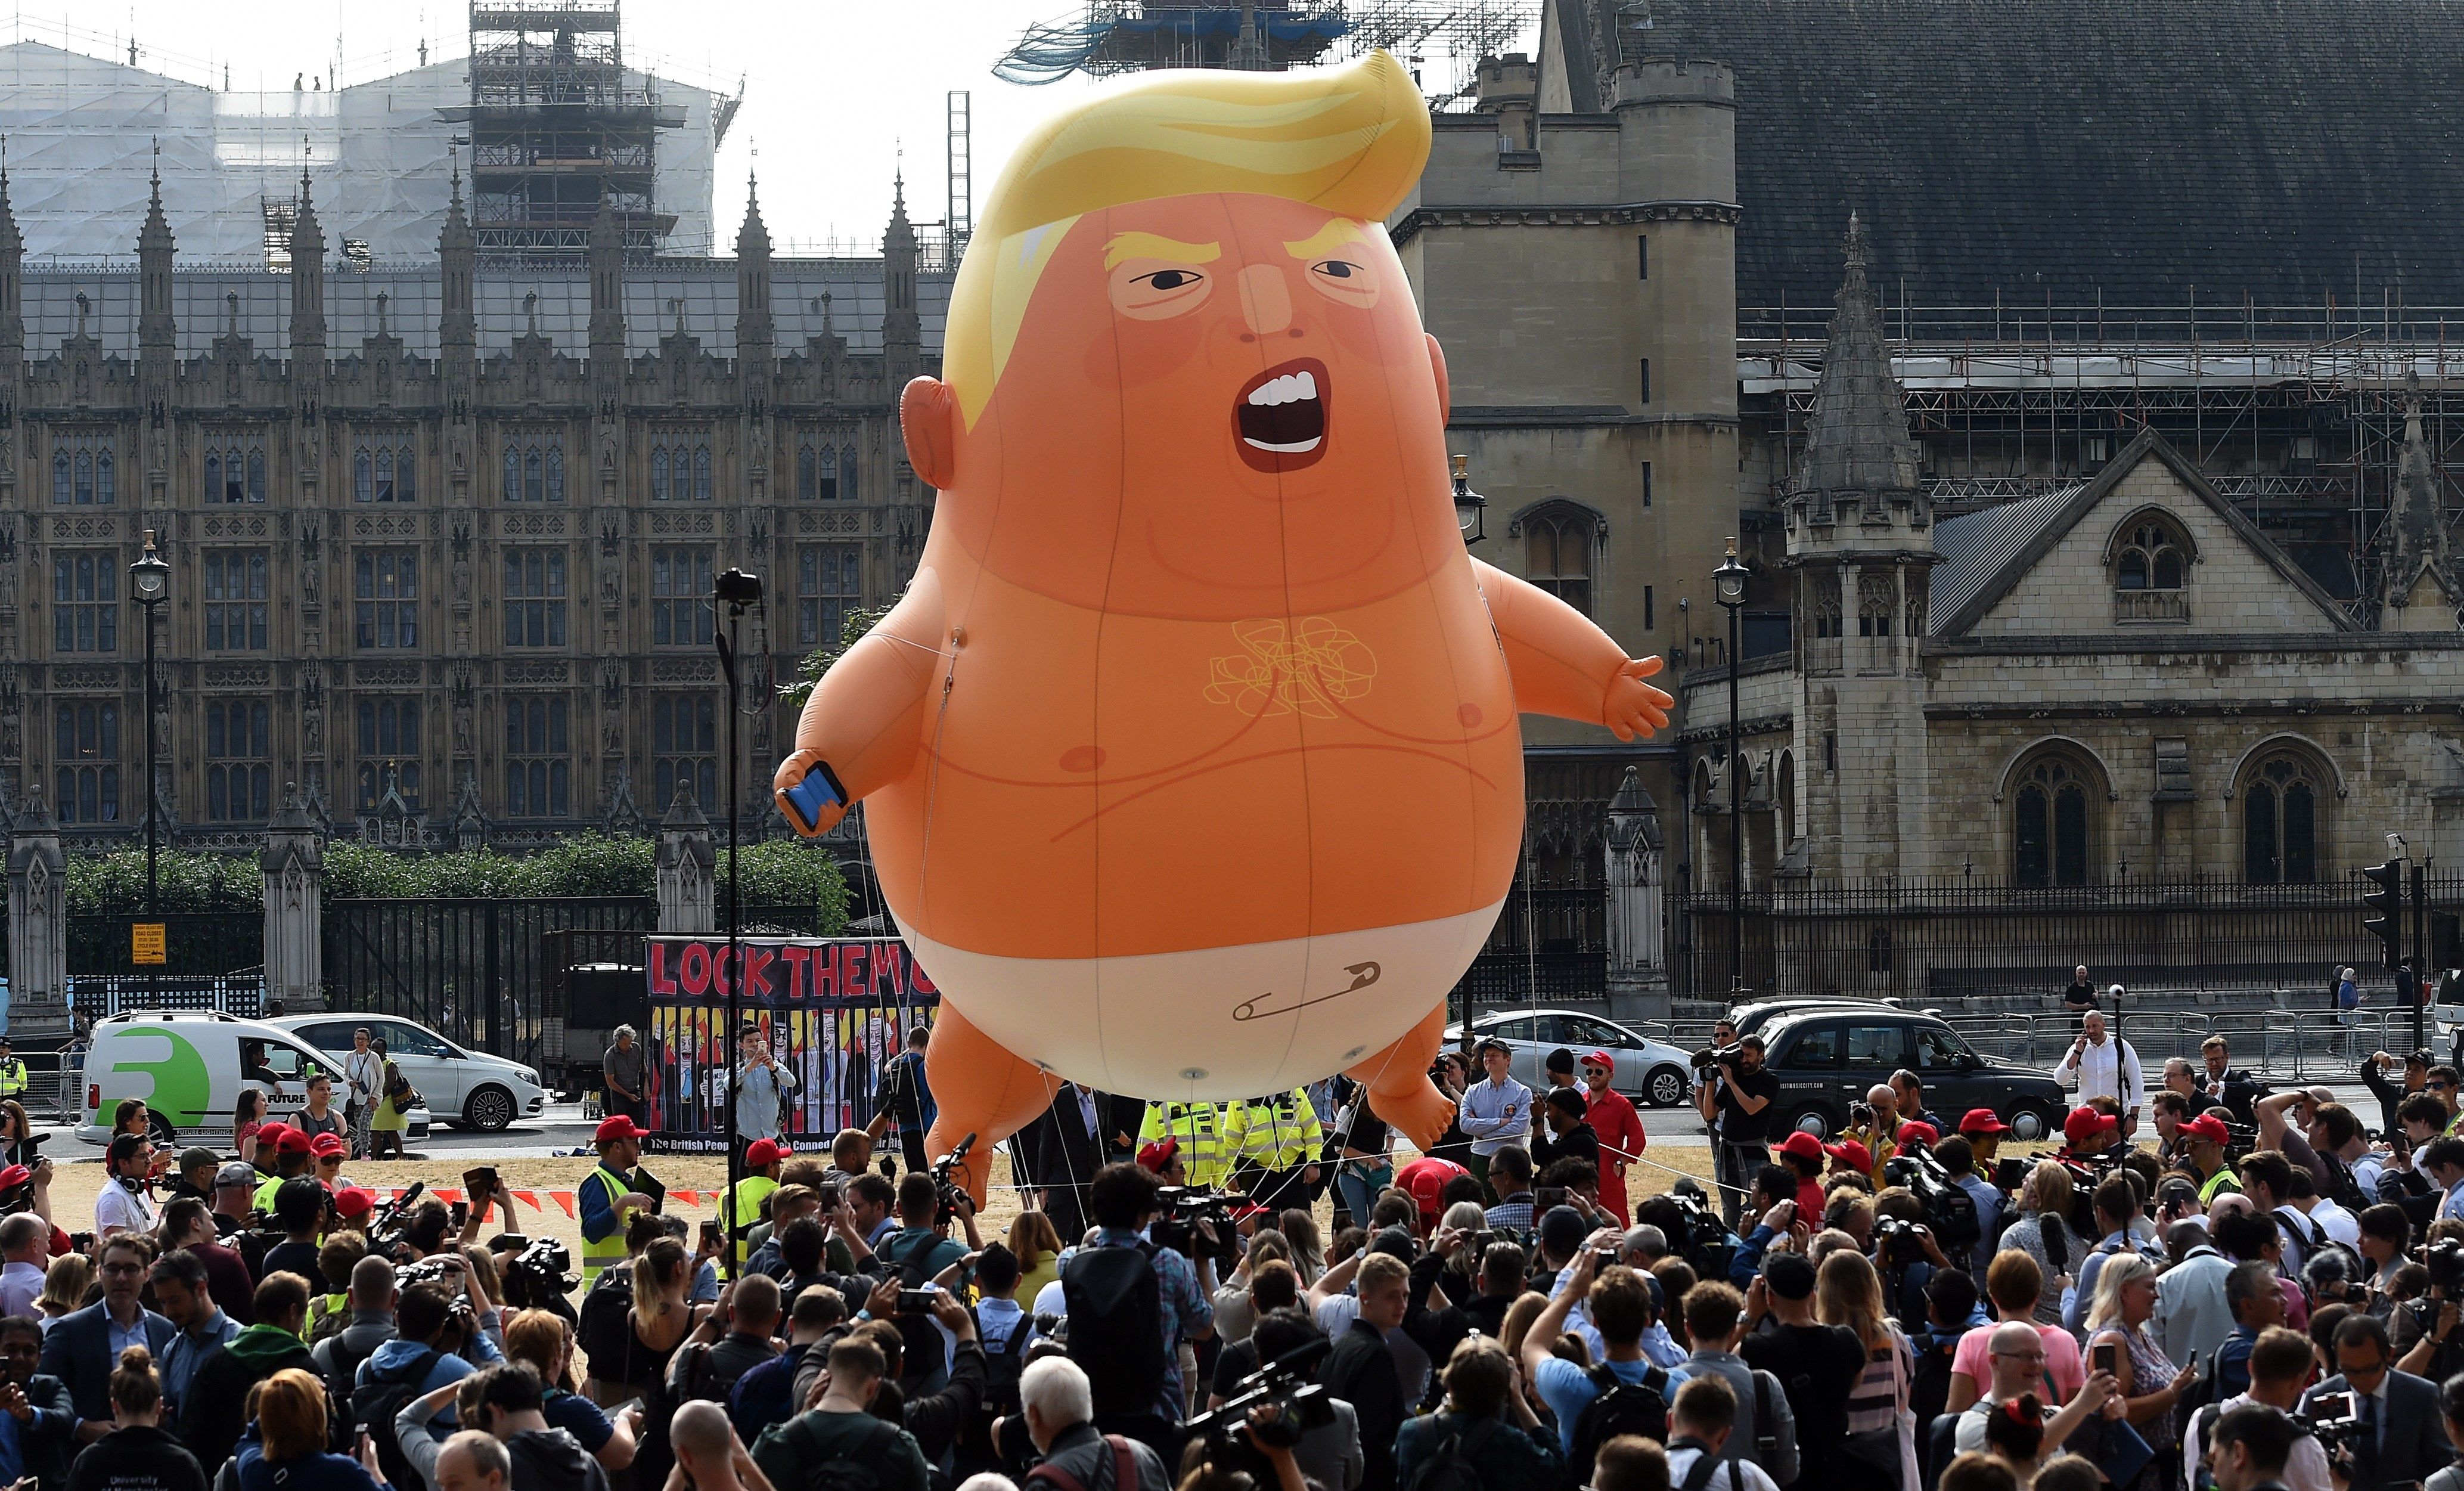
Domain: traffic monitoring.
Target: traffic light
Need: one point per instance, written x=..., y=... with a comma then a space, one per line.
x=2387, y=901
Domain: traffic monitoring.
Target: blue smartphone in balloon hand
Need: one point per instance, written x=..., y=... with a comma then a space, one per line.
x=819, y=792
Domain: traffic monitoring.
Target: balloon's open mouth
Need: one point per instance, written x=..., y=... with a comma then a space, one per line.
x=1279, y=419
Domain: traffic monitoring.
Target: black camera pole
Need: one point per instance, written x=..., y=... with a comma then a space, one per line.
x=738, y=591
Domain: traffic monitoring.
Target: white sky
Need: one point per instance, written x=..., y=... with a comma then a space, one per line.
x=832, y=88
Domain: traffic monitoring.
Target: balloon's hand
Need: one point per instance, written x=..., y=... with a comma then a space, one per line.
x=1633, y=708
x=791, y=774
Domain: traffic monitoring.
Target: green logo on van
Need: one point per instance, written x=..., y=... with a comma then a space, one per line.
x=182, y=1090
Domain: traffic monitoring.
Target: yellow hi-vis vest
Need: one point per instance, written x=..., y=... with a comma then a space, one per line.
x=12, y=1077
x=596, y=1256
x=1279, y=1134
x=739, y=1211
x=1199, y=1127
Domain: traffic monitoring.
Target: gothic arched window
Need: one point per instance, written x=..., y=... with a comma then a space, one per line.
x=2280, y=820
x=1557, y=554
x=2149, y=558
x=2050, y=825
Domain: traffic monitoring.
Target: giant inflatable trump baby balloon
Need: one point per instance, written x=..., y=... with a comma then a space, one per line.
x=1192, y=750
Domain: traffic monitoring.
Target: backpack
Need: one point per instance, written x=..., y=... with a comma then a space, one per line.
x=1449, y=1467
x=1113, y=1299
x=1003, y=1363
x=2313, y=1240
x=2343, y=1188
x=1618, y=1407
x=1125, y=1470
x=374, y=1404
x=1697, y=1476
x=825, y=1472
x=600, y=1332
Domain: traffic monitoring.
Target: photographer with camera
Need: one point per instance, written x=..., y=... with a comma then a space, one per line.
x=2280, y=1363
x=1483, y=1391
x=811, y=1449
x=1736, y=1097
x=1057, y=1401
x=1130, y=1304
x=2401, y=1438
x=1624, y=1393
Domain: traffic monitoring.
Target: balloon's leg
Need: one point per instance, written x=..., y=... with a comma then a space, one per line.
x=981, y=1089
x=1397, y=1079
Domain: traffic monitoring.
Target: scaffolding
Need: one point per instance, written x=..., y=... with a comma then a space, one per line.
x=1111, y=36
x=558, y=126
x=2296, y=415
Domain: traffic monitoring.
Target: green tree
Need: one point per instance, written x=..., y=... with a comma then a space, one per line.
x=817, y=662
x=114, y=883
x=784, y=873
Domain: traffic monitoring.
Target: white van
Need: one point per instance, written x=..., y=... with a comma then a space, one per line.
x=187, y=1067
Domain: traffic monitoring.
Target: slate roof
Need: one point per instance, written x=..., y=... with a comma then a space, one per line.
x=1974, y=547
x=2278, y=148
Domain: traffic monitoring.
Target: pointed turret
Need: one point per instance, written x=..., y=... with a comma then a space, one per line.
x=753, y=327
x=307, y=274
x=155, y=330
x=457, y=323
x=1859, y=441
x=902, y=330
x=12, y=261
x=606, y=282
x=2416, y=535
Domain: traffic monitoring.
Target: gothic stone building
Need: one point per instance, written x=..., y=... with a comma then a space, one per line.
x=441, y=536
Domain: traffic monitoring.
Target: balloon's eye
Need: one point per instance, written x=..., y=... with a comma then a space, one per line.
x=1170, y=279
x=1160, y=293
x=1344, y=282
x=1337, y=269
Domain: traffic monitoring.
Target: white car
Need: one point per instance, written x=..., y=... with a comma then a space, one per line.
x=1651, y=1072
x=468, y=1089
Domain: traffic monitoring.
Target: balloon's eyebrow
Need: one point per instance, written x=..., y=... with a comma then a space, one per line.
x=1152, y=245
x=1342, y=229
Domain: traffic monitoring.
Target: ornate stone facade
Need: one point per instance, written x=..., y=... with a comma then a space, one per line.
x=441, y=539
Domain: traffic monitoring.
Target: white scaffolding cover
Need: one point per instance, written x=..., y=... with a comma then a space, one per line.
x=81, y=132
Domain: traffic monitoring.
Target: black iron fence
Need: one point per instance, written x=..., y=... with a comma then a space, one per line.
x=194, y=942
x=474, y=969
x=1939, y=938
x=1550, y=946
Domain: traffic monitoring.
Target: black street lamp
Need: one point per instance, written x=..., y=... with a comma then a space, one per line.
x=1729, y=588
x=149, y=582
x=1470, y=506
x=738, y=591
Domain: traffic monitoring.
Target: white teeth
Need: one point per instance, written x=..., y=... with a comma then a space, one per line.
x=1288, y=389
x=1296, y=448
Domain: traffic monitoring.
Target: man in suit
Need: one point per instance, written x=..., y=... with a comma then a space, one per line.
x=1062, y=1150
x=2401, y=1437
x=84, y=1348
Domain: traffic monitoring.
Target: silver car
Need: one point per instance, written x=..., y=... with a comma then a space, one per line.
x=1650, y=1072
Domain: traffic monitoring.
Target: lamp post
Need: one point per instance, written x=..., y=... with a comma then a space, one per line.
x=1729, y=588
x=1470, y=508
x=149, y=582
x=738, y=591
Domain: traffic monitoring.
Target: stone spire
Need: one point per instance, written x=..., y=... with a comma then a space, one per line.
x=1859, y=441
x=902, y=331
x=13, y=259
x=2416, y=525
x=753, y=327
x=607, y=248
x=457, y=321
x=307, y=274
x=155, y=329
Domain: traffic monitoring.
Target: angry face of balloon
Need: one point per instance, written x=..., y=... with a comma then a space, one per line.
x=1217, y=404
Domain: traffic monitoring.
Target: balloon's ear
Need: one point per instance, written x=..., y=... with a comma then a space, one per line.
x=1438, y=365
x=928, y=416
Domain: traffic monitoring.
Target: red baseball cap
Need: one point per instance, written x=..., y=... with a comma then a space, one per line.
x=15, y=1177
x=1850, y=1151
x=1426, y=1179
x=324, y=1144
x=762, y=1151
x=2207, y=1126
x=1981, y=1121
x=1802, y=1145
x=355, y=1201
x=292, y=1142
x=1159, y=1155
x=609, y=1130
x=1245, y=1209
x=269, y=1136
x=1600, y=1058
x=1913, y=1133
x=2086, y=1122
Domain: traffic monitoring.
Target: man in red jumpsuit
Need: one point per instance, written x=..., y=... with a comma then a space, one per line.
x=1619, y=1127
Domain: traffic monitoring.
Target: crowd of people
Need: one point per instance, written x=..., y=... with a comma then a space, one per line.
x=2255, y=1292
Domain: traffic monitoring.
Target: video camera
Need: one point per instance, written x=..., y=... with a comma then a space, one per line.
x=2331, y=1421
x=2445, y=1261
x=1179, y=1209
x=425, y=1270
x=543, y=1270
x=1949, y=1209
x=1716, y=1056
x=1289, y=1384
x=946, y=1192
